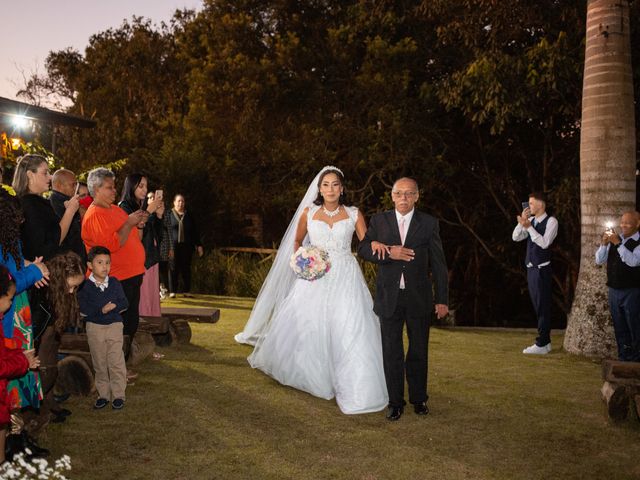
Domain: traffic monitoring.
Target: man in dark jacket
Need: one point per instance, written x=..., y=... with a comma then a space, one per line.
x=404, y=294
x=64, y=186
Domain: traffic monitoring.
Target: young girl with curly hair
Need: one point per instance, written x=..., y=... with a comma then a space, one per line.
x=58, y=300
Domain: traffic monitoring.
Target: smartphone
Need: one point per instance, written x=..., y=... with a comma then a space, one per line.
x=158, y=195
x=77, y=188
x=525, y=205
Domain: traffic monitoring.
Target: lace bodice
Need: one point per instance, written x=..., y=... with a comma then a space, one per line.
x=334, y=239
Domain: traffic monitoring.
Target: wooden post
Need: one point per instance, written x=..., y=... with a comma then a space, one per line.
x=617, y=401
x=141, y=348
x=181, y=330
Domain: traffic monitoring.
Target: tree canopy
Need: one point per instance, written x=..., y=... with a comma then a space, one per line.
x=239, y=104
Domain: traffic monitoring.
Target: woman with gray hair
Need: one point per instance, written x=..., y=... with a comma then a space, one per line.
x=107, y=225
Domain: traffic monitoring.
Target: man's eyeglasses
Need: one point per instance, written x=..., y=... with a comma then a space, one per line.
x=404, y=194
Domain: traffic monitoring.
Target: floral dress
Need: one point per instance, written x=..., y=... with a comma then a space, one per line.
x=24, y=391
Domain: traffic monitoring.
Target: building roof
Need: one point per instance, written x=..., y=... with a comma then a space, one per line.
x=9, y=109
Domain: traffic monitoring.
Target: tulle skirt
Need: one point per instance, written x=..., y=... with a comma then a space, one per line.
x=324, y=339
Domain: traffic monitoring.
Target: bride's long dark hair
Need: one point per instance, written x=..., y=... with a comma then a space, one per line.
x=343, y=196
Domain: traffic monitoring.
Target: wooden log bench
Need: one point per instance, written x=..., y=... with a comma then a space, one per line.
x=201, y=315
x=179, y=317
x=154, y=325
x=621, y=388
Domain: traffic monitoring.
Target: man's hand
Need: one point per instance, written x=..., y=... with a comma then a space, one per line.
x=72, y=204
x=615, y=238
x=524, y=219
x=606, y=238
x=398, y=252
x=441, y=310
x=108, y=307
x=380, y=250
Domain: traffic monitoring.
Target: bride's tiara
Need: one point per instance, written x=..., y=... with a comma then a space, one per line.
x=331, y=167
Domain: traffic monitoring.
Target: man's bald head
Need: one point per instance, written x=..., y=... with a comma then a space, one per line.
x=629, y=223
x=406, y=181
x=404, y=194
x=64, y=181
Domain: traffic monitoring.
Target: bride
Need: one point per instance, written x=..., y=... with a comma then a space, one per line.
x=321, y=337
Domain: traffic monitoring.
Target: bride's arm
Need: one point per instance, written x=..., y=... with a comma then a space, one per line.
x=378, y=249
x=301, y=231
x=361, y=226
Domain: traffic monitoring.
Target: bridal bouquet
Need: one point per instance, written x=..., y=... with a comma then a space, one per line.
x=310, y=263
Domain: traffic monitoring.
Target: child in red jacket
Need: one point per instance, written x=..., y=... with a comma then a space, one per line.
x=13, y=363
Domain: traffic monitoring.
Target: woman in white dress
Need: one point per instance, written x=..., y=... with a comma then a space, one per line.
x=321, y=337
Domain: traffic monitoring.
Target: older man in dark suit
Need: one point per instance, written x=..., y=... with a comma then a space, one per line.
x=406, y=245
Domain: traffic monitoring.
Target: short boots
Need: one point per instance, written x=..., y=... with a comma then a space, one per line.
x=36, y=450
x=14, y=444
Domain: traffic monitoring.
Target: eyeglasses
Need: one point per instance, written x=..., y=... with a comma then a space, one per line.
x=404, y=194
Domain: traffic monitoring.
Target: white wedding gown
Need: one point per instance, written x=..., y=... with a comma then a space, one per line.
x=324, y=338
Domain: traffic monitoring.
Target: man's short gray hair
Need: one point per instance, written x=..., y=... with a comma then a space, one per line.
x=96, y=178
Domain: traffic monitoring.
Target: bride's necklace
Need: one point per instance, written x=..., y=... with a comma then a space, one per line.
x=331, y=214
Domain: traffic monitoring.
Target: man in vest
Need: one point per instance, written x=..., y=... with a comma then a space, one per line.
x=539, y=230
x=621, y=253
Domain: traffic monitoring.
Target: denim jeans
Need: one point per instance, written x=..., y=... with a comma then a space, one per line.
x=624, y=304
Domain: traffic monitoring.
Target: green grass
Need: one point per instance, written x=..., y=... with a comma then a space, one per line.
x=203, y=413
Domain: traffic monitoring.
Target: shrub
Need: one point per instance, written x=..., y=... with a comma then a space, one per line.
x=239, y=274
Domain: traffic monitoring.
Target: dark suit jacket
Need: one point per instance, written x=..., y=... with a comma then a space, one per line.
x=40, y=232
x=423, y=237
x=73, y=240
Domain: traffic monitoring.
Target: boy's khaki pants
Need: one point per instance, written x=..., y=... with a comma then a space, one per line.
x=105, y=344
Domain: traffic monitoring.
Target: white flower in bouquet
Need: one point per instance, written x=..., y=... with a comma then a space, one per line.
x=310, y=263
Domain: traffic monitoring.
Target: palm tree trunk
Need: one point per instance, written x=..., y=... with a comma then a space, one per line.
x=607, y=166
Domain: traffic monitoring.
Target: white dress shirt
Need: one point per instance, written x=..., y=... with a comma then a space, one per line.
x=543, y=241
x=407, y=221
x=632, y=259
x=102, y=286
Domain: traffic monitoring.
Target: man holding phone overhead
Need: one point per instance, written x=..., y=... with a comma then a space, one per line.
x=539, y=230
x=65, y=186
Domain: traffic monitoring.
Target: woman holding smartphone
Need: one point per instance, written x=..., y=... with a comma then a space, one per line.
x=134, y=197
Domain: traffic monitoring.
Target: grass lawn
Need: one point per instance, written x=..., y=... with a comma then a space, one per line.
x=203, y=413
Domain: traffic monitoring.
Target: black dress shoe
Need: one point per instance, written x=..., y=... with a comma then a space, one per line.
x=394, y=413
x=57, y=418
x=36, y=450
x=61, y=412
x=420, y=408
x=14, y=445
